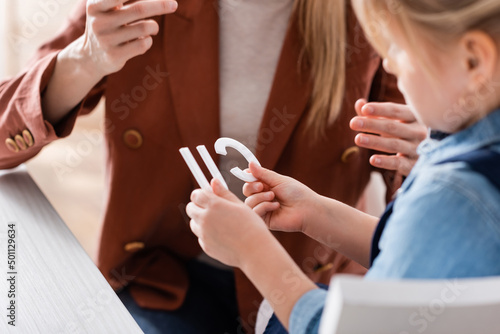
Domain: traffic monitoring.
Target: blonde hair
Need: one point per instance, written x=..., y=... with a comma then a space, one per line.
x=322, y=24
x=437, y=21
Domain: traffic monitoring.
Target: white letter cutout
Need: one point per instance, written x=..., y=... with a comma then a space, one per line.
x=220, y=147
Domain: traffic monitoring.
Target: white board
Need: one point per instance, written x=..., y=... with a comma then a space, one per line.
x=463, y=306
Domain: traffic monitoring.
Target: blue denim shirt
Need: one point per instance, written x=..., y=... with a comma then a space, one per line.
x=445, y=223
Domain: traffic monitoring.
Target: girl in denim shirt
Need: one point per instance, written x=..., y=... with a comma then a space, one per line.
x=445, y=222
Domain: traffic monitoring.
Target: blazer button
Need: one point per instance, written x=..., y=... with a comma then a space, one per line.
x=28, y=138
x=322, y=268
x=20, y=142
x=353, y=150
x=132, y=138
x=11, y=145
x=134, y=246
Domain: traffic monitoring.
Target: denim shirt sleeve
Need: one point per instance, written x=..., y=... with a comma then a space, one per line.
x=306, y=314
x=444, y=226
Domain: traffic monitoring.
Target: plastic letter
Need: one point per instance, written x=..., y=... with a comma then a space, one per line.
x=220, y=148
x=195, y=169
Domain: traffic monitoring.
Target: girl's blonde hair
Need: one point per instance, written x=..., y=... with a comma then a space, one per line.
x=437, y=21
x=323, y=27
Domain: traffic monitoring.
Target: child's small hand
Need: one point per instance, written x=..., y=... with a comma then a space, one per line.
x=282, y=202
x=226, y=228
x=390, y=128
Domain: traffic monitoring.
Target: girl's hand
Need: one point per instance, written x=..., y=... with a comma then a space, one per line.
x=226, y=228
x=283, y=203
x=118, y=30
x=231, y=232
x=390, y=128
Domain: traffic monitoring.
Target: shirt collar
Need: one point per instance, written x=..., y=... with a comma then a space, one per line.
x=441, y=146
x=437, y=135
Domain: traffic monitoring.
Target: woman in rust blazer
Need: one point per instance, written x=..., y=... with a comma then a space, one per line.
x=162, y=93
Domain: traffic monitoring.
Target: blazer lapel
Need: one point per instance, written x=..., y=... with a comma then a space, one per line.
x=287, y=102
x=194, y=81
x=192, y=62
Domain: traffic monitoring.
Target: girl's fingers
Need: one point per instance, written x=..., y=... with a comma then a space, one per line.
x=200, y=198
x=193, y=211
x=398, y=163
x=254, y=200
x=141, y=10
x=265, y=207
x=267, y=176
x=387, y=145
x=252, y=188
x=131, y=32
x=388, y=127
x=221, y=191
x=388, y=110
x=195, y=228
x=202, y=245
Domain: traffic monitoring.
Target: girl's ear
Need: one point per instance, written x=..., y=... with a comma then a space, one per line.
x=480, y=57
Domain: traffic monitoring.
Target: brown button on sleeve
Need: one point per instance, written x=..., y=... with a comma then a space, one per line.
x=28, y=138
x=348, y=153
x=134, y=246
x=319, y=268
x=20, y=142
x=11, y=145
x=132, y=138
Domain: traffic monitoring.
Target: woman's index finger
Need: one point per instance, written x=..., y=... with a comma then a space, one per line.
x=389, y=110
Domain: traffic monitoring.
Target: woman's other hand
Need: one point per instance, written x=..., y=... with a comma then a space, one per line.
x=115, y=31
x=118, y=30
x=390, y=128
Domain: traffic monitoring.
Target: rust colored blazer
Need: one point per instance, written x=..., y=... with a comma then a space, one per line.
x=169, y=98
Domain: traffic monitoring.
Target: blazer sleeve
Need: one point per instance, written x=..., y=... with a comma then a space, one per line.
x=385, y=89
x=23, y=129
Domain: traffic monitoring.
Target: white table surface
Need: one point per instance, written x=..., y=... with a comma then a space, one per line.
x=58, y=289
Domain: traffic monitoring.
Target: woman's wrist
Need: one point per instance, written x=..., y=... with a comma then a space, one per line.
x=73, y=78
x=82, y=60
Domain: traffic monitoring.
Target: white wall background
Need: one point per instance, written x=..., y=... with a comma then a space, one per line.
x=4, y=51
x=26, y=24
